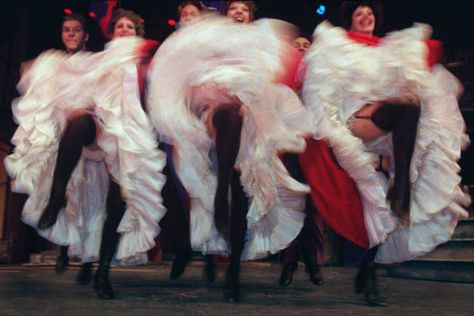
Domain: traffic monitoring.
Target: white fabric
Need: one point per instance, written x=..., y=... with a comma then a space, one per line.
x=217, y=61
x=343, y=76
x=106, y=85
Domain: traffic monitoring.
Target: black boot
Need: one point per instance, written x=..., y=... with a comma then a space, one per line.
x=232, y=284
x=210, y=270
x=361, y=279
x=240, y=204
x=286, y=276
x=371, y=293
x=179, y=265
x=365, y=282
x=310, y=238
x=84, y=275
x=57, y=200
x=115, y=211
x=102, y=283
x=62, y=260
x=315, y=275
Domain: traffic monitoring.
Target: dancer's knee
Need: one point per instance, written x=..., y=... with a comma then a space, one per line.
x=82, y=126
x=228, y=117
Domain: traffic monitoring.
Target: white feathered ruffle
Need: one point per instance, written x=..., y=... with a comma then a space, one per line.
x=106, y=85
x=216, y=61
x=343, y=76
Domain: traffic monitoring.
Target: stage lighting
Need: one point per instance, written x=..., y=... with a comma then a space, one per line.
x=321, y=9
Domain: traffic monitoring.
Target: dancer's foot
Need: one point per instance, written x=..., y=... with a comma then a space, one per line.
x=371, y=294
x=84, y=275
x=286, y=276
x=366, y=282
x=62, y=262
x=315, y=276
x=179, y=265
x=232, y=286
x=210, y=270
x=57, y=201
x=102, y=285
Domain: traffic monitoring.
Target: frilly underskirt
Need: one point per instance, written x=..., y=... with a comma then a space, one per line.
x=343, y=76
x=105, y=85
x=200, y=67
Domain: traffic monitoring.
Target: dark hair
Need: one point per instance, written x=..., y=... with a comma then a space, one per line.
x=198, y=4
x=76, y=17
x=250, y=4
x=132, y=16
x=348, y=7
x=304, y=35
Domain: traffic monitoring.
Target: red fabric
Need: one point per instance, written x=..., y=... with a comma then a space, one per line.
x=435, y=47
x=147, y=50
x=103, y=10
x=291, y=61
x=364, y=38
x=334, y=192
x=435, y=51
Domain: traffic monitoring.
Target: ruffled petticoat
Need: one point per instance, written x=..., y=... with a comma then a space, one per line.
x=104, y=84
x=216, y=61
x=342, y=77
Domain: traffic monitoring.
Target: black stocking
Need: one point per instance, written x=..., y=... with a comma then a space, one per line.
x=366, y=279
x=308, y=237
x=402, y=121
x=115, y=211
x=80, y=132
x=177, y=216
x=310, y=233
x=228, y=125
x=238, y=228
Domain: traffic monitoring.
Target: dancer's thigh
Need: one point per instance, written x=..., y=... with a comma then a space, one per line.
x=363, y=127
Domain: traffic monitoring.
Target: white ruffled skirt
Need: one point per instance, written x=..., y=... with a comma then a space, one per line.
x=342, y=77
x=104, y=84
x=213, y=62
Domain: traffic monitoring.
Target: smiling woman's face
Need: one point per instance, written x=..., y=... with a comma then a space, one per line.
x=124, y=27
x=239, y=12
x=363, y=20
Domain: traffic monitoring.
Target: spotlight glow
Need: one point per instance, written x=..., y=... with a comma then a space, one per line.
x=321, y=9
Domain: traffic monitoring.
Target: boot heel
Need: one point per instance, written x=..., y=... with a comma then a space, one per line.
x=102, y=285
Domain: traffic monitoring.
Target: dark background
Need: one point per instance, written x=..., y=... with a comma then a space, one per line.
x=452, y=21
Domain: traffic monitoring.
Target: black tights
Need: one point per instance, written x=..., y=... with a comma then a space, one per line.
x=228, y=122
x=309, y=237
x=80, y=132
x=228, y=125
x=402, y=121
x=115, y=210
